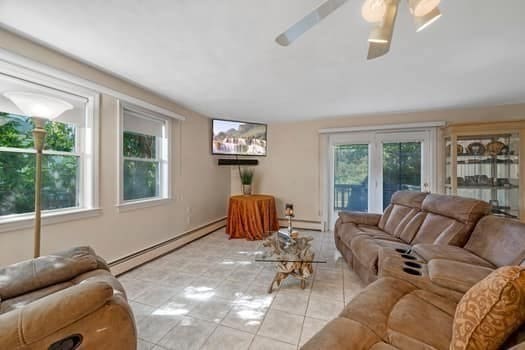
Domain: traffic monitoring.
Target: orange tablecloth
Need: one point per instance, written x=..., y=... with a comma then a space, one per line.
x=252, y=217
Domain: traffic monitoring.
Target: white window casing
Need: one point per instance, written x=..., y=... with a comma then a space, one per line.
x=135, y=119
x=85, y=117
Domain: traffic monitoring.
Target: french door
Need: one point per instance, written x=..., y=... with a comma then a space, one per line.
x=367, y=168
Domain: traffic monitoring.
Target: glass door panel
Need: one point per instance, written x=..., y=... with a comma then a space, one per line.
x=401, y=168
x=351, y=172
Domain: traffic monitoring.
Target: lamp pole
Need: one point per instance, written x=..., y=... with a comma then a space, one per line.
x=39, y=135
x=40, y=108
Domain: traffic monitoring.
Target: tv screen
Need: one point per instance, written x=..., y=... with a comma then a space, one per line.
x=238, y=138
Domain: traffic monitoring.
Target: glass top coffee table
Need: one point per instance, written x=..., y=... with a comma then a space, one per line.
x=293, y=257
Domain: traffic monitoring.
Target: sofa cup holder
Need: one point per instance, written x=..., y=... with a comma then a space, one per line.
x=412, y=271
x=403, y=251
x=408, y=257
x=412, y=264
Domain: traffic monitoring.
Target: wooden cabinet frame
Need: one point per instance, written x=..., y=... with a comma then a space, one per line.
x=483, y=130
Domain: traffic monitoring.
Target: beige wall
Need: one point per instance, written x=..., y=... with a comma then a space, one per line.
x=293, y=170
x=200, y=187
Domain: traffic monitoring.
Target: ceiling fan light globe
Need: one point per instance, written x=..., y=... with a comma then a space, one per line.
x=374, y=11
x=420, y=8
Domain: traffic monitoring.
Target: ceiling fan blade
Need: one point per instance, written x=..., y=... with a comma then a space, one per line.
x=376, y=50
x=381, y=37
x=309, y=21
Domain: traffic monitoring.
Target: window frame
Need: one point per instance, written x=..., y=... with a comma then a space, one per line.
x=86, y=147
x=163, y=157
x=375, y=138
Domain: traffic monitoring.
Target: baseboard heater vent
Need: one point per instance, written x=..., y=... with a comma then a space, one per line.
x=153, y=252
x=303, y=224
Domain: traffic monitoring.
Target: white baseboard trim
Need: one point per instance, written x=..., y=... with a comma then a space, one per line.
x=303, y=224
x=141, y=257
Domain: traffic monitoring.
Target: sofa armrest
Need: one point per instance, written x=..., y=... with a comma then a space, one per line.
x=30, y=275
x=41, y=318
x=359, y=218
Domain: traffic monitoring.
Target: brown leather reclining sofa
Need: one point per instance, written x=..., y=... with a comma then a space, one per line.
x=424, y=253
x=411, y=218
x=68, y=300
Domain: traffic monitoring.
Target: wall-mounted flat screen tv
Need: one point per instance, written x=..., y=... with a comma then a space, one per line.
x=238, y=138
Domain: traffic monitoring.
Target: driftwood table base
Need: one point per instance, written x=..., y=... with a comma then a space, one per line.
x=293, y=258
x=303, y=277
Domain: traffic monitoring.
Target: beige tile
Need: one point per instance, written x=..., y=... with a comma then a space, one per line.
x=144, y=345
x=204, y=281
x=155, y=295
x=324, y=308
x=228, y=338
x=178, y=278
x=231, y=290
x=218, y=279
x=189, y=334
x=177, y=305
x=258, y=288
x=194, y=267
x=328, y=290
x=310, y=328
x=294, y=303
x=247, y=318
x=243, y=275
x=132, y=286
x=140, y=311
x=155, y=326
x=266, y=275
x=294, y=285
x=201, y=289
x=263, y=343
x=282, y=326
x=220, y=271
x=214, y=310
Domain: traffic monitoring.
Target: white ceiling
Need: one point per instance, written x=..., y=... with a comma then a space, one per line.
x=219, y=57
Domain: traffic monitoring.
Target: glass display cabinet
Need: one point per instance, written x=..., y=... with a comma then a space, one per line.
x=484, y=161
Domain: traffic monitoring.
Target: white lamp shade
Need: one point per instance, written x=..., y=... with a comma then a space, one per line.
x=420, y=8
x=37, y=105
x=373, y=11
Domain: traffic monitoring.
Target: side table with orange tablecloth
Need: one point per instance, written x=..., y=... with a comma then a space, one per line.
x=252, y=217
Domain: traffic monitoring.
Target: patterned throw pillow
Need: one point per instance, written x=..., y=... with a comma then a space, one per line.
x=490, y=311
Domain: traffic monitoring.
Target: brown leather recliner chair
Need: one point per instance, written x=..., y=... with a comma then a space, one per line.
x=63, y=301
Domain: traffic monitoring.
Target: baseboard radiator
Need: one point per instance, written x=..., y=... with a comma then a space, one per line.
x=303, y=224
x=143, y=256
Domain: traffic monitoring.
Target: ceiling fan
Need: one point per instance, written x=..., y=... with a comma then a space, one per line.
x=381, y=13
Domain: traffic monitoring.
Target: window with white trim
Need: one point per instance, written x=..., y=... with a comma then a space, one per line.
x=144, y=155
x=69, y=161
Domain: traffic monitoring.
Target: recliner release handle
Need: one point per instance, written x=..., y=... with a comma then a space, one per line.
x=70, y=343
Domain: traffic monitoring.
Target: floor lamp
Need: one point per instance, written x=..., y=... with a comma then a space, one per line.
x=40, y=108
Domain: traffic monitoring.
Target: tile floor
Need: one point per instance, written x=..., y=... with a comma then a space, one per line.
x=211, y=294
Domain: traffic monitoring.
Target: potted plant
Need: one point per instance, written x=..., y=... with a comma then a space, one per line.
x=246, y=176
